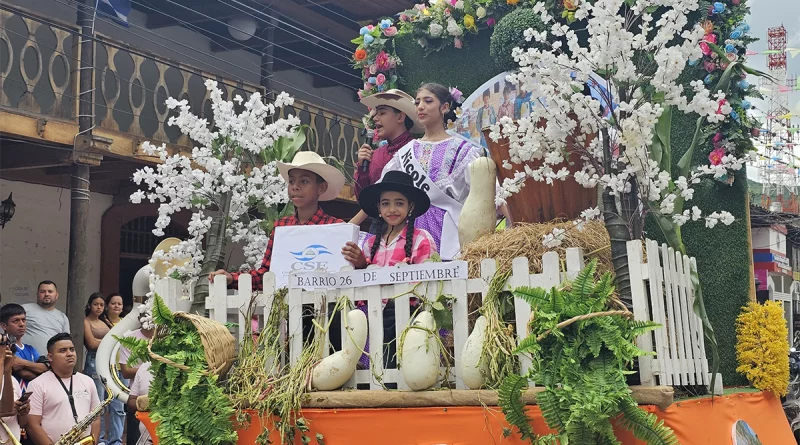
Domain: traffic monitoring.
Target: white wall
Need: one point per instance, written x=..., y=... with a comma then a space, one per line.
x=239, y=64
x=35, y=243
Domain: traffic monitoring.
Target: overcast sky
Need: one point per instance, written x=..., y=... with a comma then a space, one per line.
x=767, y=14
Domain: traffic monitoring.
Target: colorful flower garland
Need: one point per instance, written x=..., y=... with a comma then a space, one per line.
x=442, y=23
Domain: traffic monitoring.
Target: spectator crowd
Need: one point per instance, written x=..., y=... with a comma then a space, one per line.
x=42, y=397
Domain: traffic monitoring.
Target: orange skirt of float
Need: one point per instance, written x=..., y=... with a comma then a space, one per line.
x=695, y=422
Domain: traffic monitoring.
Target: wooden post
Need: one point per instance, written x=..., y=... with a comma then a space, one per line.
x=79, y=183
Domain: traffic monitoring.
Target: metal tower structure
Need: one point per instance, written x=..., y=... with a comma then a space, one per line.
x=778, y=166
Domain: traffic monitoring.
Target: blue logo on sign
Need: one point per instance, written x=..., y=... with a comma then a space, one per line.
x=311, y=252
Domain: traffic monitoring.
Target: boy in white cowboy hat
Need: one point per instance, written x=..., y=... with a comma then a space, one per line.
x=395, y=117
x=309, y=180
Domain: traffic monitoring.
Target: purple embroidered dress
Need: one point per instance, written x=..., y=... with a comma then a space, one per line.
x=446, y=165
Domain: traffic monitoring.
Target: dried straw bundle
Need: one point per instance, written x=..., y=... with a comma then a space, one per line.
x=525, y=240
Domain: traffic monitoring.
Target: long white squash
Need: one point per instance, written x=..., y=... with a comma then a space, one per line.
x=473, y=372
x=336, y=369
x=479, y=216
x=419, y=362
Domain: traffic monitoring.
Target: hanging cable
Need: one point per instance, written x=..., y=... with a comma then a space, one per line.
x=22, y=13
x=333, y=12
x=114, y=23
x=230, y=39
x=262, y=13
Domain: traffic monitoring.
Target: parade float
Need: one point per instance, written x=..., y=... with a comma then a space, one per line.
x=547, y=320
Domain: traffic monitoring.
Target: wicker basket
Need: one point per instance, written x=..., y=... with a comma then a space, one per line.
x=218, y=343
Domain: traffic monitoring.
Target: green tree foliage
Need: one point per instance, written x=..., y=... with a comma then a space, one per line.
x=582, y=347
x=189, y=406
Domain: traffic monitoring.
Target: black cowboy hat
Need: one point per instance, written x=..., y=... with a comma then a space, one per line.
x=393, y=181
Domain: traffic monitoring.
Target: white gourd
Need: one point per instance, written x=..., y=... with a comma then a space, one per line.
x=473, y=372
x=478, y=216
x=336, y=369
x=419, y=362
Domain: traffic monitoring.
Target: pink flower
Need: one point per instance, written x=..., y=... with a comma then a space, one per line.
x=373, y=69
x=381, y=79
x=390, y=31
x=709, y=66
x=710, y=37
x=453, y=2
x=491, y=21
x=447, y=12
x=458, y=43
x=367, y=86
x=360, y=94
x=370, y=27
x=718, y=137
x=715, y=157
x=403, y=17
x=382, y=61
x=705, y=48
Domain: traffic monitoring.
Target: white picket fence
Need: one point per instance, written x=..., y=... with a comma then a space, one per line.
x=661, y=287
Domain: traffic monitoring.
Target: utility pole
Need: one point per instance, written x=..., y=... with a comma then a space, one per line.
x=83, y=156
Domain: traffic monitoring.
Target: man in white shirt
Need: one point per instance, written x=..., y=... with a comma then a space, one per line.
x=44, y=320
x=60, y=398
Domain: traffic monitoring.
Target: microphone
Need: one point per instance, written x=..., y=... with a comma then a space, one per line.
x=370, y=134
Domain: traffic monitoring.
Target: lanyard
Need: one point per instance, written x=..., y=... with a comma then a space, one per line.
x=69, y=395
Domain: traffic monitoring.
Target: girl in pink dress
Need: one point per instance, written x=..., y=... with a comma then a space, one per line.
x=394, y=203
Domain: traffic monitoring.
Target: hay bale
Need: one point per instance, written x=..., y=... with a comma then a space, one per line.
x=525, y=240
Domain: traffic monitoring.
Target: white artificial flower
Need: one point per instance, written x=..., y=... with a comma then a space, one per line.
x=453, y=29
x=435, y=29
x=554, y=239
x=555, y=75
x=216, y=168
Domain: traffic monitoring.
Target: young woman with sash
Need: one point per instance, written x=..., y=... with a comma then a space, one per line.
x=438, y=163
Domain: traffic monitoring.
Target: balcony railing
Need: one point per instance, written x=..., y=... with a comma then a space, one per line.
x=39, y=61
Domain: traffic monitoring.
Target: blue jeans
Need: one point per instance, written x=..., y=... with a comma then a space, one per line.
x=113, y=423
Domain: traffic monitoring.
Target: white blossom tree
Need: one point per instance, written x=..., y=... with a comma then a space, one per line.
x=639, y=48
x=229, y=182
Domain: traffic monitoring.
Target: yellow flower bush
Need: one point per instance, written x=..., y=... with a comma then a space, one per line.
x=762, y=348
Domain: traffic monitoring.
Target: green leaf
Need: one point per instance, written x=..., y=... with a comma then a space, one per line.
x=661, y=148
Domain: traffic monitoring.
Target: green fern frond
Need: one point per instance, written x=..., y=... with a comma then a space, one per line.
x=534, y=296
x=528, y=345
x=641, y=327
x=645, y=426
x=605, y=286
x=161, y=313
x=583, y=284
x=551, y=411
x=509, y=397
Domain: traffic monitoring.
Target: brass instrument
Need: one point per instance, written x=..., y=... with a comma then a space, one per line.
x=11, y=437
x=75, y=435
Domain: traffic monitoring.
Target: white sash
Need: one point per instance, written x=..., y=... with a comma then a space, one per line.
x=449, y=246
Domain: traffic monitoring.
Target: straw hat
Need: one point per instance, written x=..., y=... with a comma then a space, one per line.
x=399, y=100
x=161, y=267
x=311, y=161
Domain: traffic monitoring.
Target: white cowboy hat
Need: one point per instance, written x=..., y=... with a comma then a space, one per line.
x=311, y=161
x=399, y=100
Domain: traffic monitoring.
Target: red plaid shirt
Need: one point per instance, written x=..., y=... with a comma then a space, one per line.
x=319, y=218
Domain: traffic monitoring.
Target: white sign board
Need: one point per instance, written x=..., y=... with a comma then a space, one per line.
x=309, y=248
x=413, y=273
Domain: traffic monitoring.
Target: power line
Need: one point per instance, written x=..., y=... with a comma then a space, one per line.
x=193, y=26
x=195, y=72
x=332, y=43
x=114, y=23
x=333, y=12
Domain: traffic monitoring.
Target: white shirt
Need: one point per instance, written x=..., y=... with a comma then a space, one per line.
x=11, y=421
